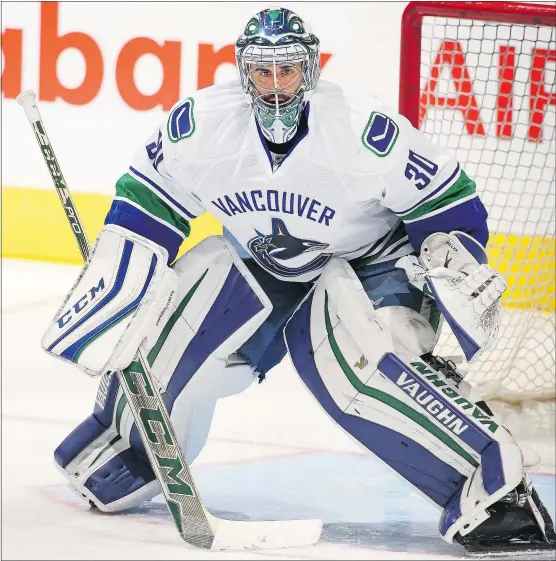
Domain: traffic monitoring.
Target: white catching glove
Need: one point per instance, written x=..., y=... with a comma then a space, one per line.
x=453, y=269
x=122, y=298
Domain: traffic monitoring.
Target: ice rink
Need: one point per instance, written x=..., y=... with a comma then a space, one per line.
x=272, y=454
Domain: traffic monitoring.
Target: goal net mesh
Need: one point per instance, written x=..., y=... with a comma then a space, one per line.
x=488, y=94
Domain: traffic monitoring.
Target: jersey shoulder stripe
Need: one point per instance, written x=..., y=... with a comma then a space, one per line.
x=162, y=193
x=455, y=190
x=140, y=210
x=135, y=193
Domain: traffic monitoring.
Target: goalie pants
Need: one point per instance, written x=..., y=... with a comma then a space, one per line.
x=128, y=472
x=385, y=285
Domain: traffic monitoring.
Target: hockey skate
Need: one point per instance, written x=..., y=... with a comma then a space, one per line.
x=519, y=526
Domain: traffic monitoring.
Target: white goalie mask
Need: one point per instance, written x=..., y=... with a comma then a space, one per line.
x=279, y=64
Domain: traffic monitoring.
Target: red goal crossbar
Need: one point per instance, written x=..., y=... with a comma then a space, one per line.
x=412, y=20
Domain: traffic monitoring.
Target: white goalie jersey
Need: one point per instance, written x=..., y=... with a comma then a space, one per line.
x=348, y=181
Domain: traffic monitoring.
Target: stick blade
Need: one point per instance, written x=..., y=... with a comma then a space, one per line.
x=232, y=534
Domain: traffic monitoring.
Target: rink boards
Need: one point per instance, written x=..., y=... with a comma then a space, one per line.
x=34, y=227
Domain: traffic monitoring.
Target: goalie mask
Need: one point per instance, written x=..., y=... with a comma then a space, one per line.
x=279, y=65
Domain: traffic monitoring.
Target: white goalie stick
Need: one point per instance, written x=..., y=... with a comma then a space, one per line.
x=194, y=523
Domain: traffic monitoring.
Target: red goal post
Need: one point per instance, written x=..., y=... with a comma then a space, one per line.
x=480, y=79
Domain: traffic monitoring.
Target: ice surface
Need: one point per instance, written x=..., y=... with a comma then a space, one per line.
x=272, y=454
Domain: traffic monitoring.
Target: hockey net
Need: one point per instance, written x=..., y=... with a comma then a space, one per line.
x=479, y=79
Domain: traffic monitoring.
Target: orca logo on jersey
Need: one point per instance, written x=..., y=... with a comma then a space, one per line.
x=282, y=245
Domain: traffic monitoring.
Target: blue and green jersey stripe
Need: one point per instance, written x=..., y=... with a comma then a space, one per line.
x=141, y=210
x=454, y=191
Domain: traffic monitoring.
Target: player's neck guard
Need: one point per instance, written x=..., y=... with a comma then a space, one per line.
x=278, y=127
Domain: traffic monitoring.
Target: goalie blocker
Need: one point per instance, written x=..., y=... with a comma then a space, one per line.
x=370, y=371
x=124, y=294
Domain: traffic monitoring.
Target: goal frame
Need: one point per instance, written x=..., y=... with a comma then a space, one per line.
x=412, y=22
x=522, y=392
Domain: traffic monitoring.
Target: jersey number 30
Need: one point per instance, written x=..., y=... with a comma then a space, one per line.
x=420, y=170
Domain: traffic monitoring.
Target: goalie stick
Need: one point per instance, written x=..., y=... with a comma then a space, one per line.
x=194, y=523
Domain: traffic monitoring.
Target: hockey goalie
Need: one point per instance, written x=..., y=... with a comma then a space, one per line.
x=348, y=239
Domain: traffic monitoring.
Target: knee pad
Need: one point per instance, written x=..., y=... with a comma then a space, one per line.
x=221, y=306
x=361, y=371
x=98, y=459
x=104, y=459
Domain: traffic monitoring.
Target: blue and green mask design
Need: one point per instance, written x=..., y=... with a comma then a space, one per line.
x=274, y=43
